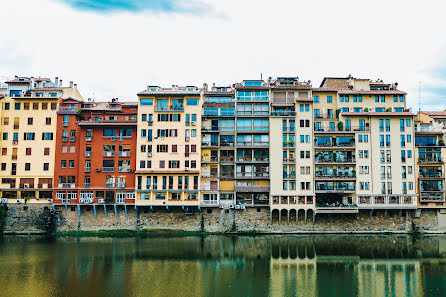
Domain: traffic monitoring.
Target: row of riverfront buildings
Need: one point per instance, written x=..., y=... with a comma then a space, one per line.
x=280, y=145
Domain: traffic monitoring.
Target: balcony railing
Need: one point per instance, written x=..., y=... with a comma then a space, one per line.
x=15, y=141
x=120, y=185
x=108, y=154
x=428, y=129
x=109, y=185
x=277, y=113
x=123, y=169
x=87, y=169
x=169, y=108
x=333, y=160
x=108, y=169
x=209, y=143
x=72, y=138
x=253, y=188
x=283, y=100
x=88, y=138
x=209, y=175
x=210, y=202
x=86, y=185
x=67, y=185
x=252, y=174
x=345, y=129
x=429, y=160
x=124, y=154
x=209, y=159
x=64, y=138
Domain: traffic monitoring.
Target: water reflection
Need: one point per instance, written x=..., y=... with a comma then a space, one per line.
x=224, y=266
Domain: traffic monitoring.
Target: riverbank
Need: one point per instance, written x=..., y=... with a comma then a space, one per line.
x=126, y=222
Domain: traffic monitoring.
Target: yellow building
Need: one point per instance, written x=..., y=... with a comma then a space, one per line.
x=169, y=147
x=364, y=143
x=28, y=135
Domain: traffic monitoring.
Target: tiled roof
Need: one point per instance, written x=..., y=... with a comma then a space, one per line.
x=326, y=89
x=435, y=114
x=168, y=171
x=386, y=114
x=23, y=81
x=242, y=87
x=172, y=93
x=304, y=99
x=217, y=94
x=296, y=87
x=374, y=92
x=129, y=103
x=49, y=89
x=106, y=123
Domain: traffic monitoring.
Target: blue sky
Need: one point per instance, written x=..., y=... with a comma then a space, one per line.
x=116, y=48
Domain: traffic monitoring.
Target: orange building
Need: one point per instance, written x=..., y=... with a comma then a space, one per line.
x=96, y=154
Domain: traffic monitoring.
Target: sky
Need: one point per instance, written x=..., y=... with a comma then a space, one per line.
x=115, y=48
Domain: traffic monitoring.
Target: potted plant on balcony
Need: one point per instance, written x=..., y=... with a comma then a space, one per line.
x=338, y=111
x=340, y=126
x=388, y=109
x=441, y=142
x=366, y=109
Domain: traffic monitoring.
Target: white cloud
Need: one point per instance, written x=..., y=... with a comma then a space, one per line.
x=118, y=54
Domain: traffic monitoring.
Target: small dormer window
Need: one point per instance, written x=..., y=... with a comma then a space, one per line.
x=113, y=105
x=21, y=79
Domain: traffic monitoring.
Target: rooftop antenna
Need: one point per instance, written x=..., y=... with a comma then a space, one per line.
x=419, y=99
x=261, y=76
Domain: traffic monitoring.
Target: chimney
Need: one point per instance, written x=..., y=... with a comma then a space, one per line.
x=205, y=87
x=60, y=83
x=71, y=84
x=57, y=81
x=74, y=90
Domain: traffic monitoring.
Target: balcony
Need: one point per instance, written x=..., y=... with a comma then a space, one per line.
x=123, y=169
x=108, y=169
x=210, y=202
x=211, y=159
x=208, y=143
x=120, y=185
x=430, y=159
x=323, y=175
x=278, y=113
x=109, y=185
x=253, y=174
x=209, y=175
x=67, y=185
x=86, y=185
x=72, y=138
x=284, y=101
x=210, y=129
x=123, y=154
x=344, y=130
x=252, y=188
x=253, y=160
x=389, y=202
x=334, y=160
x=108, y=154
x=87, y=169
x=429, y=129
x=169, y=108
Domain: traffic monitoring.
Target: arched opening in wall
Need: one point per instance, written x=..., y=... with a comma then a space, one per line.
x=301, y=253
x=283, y=216
x=293, y=216
x=275, y=216
x=310, y=214
x=275, y=249
x=301, y=216
x=284, y=249
x=293, y=248
x=310, y=250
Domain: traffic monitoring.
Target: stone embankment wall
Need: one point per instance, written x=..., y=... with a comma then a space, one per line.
x=23, y=219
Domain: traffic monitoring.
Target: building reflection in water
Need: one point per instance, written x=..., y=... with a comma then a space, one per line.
x=224, y=266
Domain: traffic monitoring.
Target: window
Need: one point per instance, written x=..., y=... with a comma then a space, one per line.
x=316, y=99
x=17, y=106
x=27, y=166
x=190, y=101
x=329, y=99
x=174, y=148
x=162, y=164
x=46, y=166
x=44, y=105
x=71, y=163
x=3, y=166
x=29, y=136
x=28, y=151
x=53, y=106
x=142, y=164
x=146, y=101
x=30, y=121
x=407, y=122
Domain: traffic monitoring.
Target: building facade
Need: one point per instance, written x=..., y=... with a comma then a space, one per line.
x=28, y=130
x=96, y=153
x=169, y=148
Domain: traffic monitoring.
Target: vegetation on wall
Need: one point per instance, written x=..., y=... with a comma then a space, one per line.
x=3, y=216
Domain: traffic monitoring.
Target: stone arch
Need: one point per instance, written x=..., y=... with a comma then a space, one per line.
x=275, y=216
x=283, y=216
x=310, y=216
x=301, y=216
x=293, y=215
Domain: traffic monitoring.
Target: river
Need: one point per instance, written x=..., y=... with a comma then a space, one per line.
x=223, y=266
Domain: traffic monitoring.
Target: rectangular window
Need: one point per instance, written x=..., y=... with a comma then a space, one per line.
x=191, y=101
x=146, y=101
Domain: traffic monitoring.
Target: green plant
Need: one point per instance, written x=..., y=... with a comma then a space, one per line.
x=26, y=199
x=441, y=143
x=366, y=109
x=337, y=113
x=340, y=126
x=388, y=109
x=3, y=216
x=47, y=220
